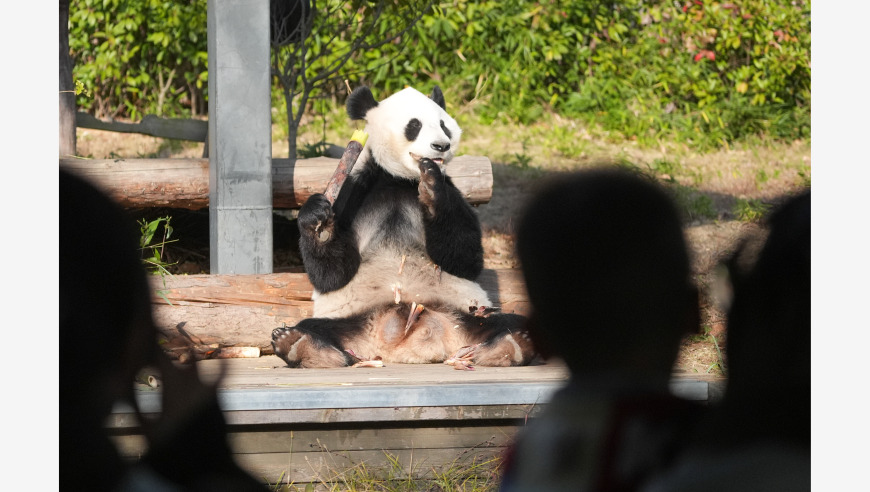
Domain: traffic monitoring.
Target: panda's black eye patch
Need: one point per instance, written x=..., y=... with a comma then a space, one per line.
x=412, y=129
x=445, y=130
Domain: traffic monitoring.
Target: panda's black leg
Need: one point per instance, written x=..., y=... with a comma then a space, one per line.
x=299, y=347
x=502, y=340
x=505, y=349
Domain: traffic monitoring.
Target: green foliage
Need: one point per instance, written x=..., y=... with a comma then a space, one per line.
x=139, y=57
x=692, y=204
x=707, y=73
x=750, y=210
x=312, y=72
x=804, y=176
x=308, y=151
x=152, y=252
x=522, y=158
x=80, y=89
x=666, y=169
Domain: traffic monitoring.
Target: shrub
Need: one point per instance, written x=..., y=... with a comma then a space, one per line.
x=704, y=72
x=750, y=210
x=138, y=57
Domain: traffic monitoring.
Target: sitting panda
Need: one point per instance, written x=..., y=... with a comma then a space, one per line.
x=394, y=261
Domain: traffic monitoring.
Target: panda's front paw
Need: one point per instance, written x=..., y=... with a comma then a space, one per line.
x=316, y=218
x=431, y=183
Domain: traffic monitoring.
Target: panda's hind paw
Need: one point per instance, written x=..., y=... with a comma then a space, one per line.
x=463, y=359
x=482, y=311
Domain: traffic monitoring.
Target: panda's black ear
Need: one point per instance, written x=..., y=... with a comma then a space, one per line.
x=360, y=102
x=438, y=97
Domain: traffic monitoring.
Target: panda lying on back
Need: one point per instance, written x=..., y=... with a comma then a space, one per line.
x=393, y=262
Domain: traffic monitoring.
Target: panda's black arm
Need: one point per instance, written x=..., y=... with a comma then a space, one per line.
x=329, y=251
x=453, y=235
x=329, y=266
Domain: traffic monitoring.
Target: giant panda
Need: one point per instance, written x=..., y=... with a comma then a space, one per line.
x=394, y=261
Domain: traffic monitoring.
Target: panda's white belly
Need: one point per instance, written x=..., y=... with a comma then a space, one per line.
x=388, y=278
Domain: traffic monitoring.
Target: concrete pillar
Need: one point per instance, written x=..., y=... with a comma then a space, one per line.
x=240, y=137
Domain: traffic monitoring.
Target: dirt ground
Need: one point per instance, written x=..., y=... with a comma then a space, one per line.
x=710, y=241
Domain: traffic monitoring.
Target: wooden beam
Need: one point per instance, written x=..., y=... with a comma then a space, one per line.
x=177, y=128
x=242, y=310
x=316, y=456
x=184, y=183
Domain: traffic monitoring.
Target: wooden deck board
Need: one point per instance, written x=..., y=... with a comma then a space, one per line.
x=270, y=371
x=311, y=425
x=266, y=391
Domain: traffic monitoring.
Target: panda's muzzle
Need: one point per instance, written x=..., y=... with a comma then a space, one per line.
x=441, y=147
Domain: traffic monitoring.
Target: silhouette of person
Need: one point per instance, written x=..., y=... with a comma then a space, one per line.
x=106, y=337
x=607, y=272
x=758, y=439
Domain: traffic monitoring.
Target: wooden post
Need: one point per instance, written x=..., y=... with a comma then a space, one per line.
x=240, y=137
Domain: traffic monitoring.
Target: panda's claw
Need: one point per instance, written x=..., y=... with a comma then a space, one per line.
x=463, y=359
x=482, y=311
x=284, y=341
x=429, y=166
x=430, y=181
x=416, y=309
x=360, y=361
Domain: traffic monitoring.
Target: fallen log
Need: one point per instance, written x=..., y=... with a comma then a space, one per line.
x=242, y=310
x=184, y=183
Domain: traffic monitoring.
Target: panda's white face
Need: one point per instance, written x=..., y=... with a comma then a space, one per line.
x=408, y=126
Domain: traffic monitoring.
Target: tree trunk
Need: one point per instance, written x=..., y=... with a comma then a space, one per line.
x=292, y=127
x=67, y=108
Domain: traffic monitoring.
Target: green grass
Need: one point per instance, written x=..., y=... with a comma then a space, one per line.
x=462, y=475
x=732, y=182
x=750, y=210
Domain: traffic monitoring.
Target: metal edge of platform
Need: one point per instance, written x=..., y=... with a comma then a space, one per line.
x=348, y=397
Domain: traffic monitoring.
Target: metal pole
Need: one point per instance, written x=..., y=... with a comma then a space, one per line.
x=240, y=137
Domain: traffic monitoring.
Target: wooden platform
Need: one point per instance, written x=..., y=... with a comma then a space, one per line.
x=307, y=425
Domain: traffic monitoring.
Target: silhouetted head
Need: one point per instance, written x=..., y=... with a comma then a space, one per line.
x=607, y=272
x=106, y=329
x=769, y=329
